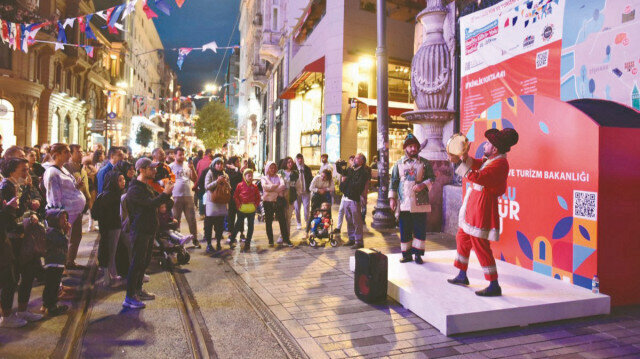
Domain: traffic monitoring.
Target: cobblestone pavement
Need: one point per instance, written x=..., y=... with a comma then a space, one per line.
x=311, y=291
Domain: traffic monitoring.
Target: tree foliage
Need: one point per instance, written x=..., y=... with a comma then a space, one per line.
x=143, y=136
x=215, y=126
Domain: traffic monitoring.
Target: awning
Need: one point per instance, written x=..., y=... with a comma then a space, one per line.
x=143, y=121
x=395, y=108
x=290, y=92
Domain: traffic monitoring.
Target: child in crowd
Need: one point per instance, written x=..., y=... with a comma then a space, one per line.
x=247, y=198
x=169, y=228
x=54, y=259
x=321, y=223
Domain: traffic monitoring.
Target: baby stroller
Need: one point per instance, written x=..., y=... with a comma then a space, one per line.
x=322, y=227
x=170, y=244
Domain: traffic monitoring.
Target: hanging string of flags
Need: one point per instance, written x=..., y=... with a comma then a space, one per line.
x=19, y=36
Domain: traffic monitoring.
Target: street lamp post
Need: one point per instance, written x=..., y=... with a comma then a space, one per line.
x=383, y=216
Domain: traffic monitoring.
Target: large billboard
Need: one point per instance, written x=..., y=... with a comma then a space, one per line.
x=557, y=48
x=601, y=51
x=512, y=48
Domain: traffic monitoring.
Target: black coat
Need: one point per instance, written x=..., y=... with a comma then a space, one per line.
x=8, y=191
x=142, y=205
x=355, y=181
x=109, y=201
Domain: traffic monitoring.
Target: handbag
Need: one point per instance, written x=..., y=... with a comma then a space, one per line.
x=293, y=195
x=220, y=194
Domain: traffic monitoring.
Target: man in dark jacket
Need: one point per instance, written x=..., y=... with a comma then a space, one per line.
x=354, y=181
x=304, y=195
x=142, y=206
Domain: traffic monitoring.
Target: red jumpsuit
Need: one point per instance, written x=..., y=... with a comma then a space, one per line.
x=479, y=221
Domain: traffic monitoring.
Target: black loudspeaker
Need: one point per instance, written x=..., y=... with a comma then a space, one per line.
x=370, y=280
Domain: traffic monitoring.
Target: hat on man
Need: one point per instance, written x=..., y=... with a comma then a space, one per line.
x=410, y=140
x=502, y=140
x=145, y=163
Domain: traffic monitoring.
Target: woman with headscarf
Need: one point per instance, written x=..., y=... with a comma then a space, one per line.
x=110, y=225
x=274, y=203
x=126, y=169
x=215, y=212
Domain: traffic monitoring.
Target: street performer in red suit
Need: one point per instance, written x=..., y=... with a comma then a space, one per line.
x=479, y=222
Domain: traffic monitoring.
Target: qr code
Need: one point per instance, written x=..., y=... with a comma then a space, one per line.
x=542, y=59
x=585, y=205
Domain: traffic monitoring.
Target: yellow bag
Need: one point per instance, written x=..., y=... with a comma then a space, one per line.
x=247, y=208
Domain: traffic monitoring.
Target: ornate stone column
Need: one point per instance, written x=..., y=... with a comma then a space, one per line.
x=431, y=83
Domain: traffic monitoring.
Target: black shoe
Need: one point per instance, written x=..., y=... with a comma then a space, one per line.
x=271, y=245
x=357, y=246
x=490, y=292
x=56, y=310
x=419, y=259
x=246, y=248
x=350, y=242
x=242, y=237
x=196, y=244
x=406, y=259
x=210, y=248
x=458, y=281
x=232, y=244
x=288, y=244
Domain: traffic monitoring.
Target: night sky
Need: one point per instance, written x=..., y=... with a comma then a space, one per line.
x=196, y=23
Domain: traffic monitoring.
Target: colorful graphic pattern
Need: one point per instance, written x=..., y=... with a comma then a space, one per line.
x=549, y=212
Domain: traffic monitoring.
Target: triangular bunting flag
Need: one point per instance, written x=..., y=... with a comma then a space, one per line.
x=115, y=15
x=87, y=27
x=89, y=50
x=5, y=32
x=182, y=54
x=129, y=8
x=163, y=6
x=210, y=46
x=147, y=10
x=179, y=3
x=68, y=22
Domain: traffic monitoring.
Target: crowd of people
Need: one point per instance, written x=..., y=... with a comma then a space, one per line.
x=47, y=191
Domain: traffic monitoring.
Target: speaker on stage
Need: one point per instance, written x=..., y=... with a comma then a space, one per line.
x=370, y=280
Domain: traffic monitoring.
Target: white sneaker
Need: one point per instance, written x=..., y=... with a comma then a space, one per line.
x=279, y=241
x=299, y=226
x=12, y=321
x=28, y=316
x=146, y=278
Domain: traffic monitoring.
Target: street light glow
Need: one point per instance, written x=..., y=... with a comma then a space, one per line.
x=211, y=87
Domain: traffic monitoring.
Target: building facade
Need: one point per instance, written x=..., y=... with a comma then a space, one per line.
x=319, y=95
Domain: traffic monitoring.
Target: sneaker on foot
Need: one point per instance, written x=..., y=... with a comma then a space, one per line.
x=419, y=259
x=144, y=295
x=133, y=303
x=406, y=259
x=279, y=241
x=28, y=316
x=146, y=278
x=357, y=246
x=299, y=226
x=209, y=248
x=12, y=321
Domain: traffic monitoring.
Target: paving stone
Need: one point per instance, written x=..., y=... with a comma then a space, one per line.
x=366, y=341
x=612, y=352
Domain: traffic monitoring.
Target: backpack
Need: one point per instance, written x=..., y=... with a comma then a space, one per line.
x=33, y=245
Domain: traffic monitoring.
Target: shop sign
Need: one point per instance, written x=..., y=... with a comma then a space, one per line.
x=332, y=137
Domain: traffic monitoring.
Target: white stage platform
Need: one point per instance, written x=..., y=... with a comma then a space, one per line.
x=527, y=297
